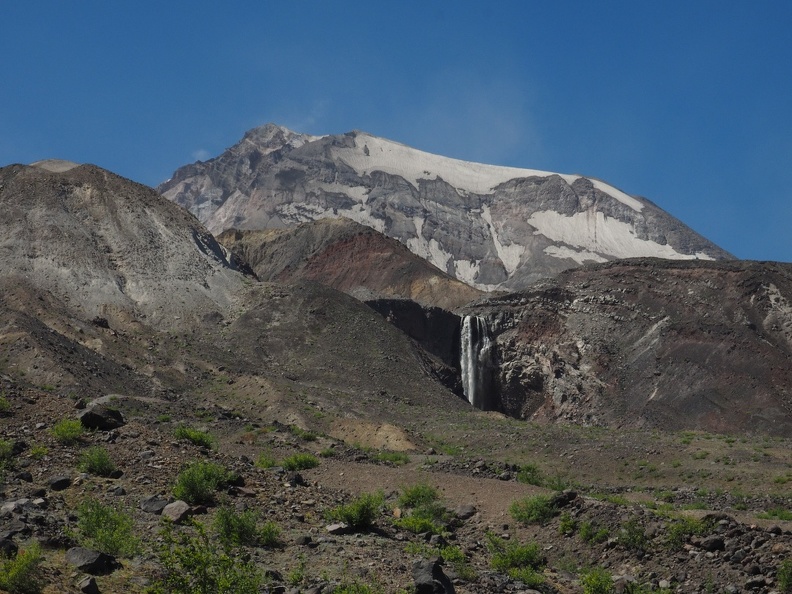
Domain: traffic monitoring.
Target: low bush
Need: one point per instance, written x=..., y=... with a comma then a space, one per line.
x=67, y=431
x=241, y=528
x=5, y=405
x=300, y=462
x=266, y=460
x=194, y=436
x=567, y=524
x=21, y=574
x=97, y=461
x=199, y=481
x=538, y=509
x=632, y=536
x=590, y=533
x=597, y=581
x=397, y=458
x=106, y=529
x=522, y=562
x=192, y=563
x=303, y=434
x=361, y=513
x=784, y=576
x=417, y=495
x=682, y=529
x=530, y=475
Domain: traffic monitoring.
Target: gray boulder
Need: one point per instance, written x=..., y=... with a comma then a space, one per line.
x=101, y=418
x=91, y=561
x=429, y=577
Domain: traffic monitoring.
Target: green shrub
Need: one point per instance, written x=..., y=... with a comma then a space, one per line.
x=681, y=530
x=67, y=431
x=417, y=495
x=327, y=453
x=96, y=461
x=5, y=405
x=38, y=451
x=194, y=436
x=784, y=576
x=266, y=460
x=20, y=574
x=300, y=462
x=397, y=458
x=107, y=529
x=418, y=525
x=632, y=536
x=520, y=561
x=6, y=448
x=361, y=513
x=199, y=481
x=195, y=564
x=778, y=513
x=303, y=434
x=530, y=475
x=597, y=581
x=567, y=524
x=591, y=534
x=538, y=509
x=241, y=528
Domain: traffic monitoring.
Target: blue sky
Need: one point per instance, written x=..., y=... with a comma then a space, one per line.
x=686, y=103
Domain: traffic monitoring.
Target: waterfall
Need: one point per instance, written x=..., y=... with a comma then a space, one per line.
x=474, y=363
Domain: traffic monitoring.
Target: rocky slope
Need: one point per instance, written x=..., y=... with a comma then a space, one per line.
x=491, y=227
x=350, y=257
x=648, y=343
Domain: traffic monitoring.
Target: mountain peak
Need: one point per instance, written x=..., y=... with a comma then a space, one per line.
x=490, y=226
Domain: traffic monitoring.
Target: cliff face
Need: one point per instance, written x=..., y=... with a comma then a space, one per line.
x=649, y=343
x=491, y=227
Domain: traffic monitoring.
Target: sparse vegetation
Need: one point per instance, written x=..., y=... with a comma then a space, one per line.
x=784, y=575
x=21, y=574
x=192, y=563
x=5, y=405
x=520, y=561
x=530, y=475
x=300, y=462
x=67, y=431
x=303, y=434
x=199, y=481
x=632, y=536
x=97, y=461
x=241, y=528
x=397, y=458
x=597, y=581
x=538, y=509
x=417, y=495
x=38, y=451
x=682, y=529
x=194, y=436
x=590, y=533
x=361, y=513
x=106, y=528
x=266, y=460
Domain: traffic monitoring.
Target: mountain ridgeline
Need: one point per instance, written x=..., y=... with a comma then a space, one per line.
x=491, y=227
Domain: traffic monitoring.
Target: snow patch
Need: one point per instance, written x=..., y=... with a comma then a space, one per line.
x=510, y=255
x=581, y=257
x=618, y=195
x=594, y=232
x=466, y=271
x=411, y=164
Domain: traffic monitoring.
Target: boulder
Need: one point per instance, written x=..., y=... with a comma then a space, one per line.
x=101, y=418
x=154, y=504
x=177, y=512
x=8, y=548
x=88, y=585
x=60, y=482
x=91, y=561
x=429, y=577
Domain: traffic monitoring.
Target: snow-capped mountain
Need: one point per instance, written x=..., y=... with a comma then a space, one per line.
x=490, y=226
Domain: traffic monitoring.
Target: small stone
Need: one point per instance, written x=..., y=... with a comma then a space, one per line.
x=713, y=543
x=338, y=528
x=177, y=512
x=25, y=476
x=59, y=483
x=464, y=512
x=153, y=505
x=88, y=585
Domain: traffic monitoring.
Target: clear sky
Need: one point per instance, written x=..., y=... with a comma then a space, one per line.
x=688, y=103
